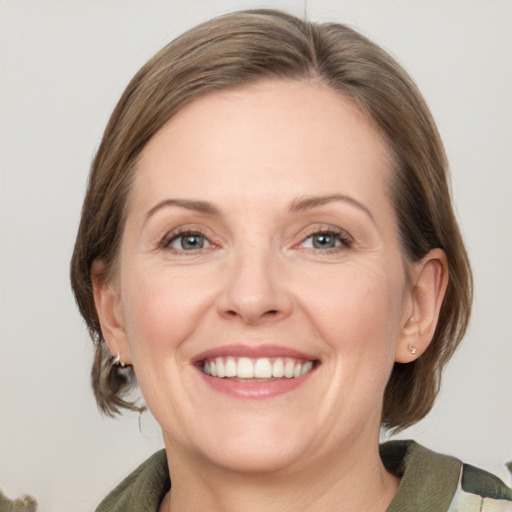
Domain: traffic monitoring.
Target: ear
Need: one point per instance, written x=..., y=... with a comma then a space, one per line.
x=429, y=279
x=107, y=300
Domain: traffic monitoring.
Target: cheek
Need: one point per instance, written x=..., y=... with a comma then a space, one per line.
x=162, y=310
x=358, y=311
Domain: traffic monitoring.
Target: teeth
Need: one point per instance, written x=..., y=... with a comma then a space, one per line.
x=261, y=368
x=306, y=368
x=219, y=363
x=278, y=368
x=245, y=368
x=230, y=367
x=288, y=369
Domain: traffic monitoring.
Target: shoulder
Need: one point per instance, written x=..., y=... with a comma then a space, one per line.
x=432, y=481
x=481, y=490
x=142, y=490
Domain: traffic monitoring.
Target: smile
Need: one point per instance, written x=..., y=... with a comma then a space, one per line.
x=263, y=368
x=255, y=371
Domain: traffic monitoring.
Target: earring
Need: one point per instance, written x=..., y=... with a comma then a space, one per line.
x=117, y=361
x=412, y=348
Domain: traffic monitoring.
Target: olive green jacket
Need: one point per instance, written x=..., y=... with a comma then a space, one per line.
x=430, y=482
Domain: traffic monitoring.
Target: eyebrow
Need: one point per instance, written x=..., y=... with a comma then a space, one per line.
x=298, y=205
x=309, y=202
x=197, y=206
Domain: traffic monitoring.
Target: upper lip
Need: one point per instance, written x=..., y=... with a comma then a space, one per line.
x=253, y=352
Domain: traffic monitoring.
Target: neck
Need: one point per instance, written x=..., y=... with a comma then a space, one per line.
x=354, y=480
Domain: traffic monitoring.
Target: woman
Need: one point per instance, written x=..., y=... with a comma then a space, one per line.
x=268, y=244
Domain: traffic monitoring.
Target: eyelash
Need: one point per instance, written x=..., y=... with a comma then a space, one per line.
x=176, y=235
x=339, y=235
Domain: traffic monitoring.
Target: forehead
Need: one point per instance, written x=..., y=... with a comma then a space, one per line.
x=276, y=138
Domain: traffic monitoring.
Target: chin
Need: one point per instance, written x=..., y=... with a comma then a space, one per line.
x=255, y=458
x=248, y=445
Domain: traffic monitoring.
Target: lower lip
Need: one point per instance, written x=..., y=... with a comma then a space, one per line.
x=255, y=390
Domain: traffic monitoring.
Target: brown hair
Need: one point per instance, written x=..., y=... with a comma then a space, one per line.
x=244, y=47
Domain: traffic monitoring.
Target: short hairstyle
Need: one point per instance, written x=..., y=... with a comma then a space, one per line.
x=255, y=45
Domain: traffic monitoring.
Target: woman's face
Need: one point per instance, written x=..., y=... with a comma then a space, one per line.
x=261, y=243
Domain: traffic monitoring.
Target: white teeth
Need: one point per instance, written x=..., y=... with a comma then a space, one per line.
x=245, y=368
x=219, y=363
x=306, y=368
x=288, y=368
x=261, y=368
x=230, y=367
x=278, y=368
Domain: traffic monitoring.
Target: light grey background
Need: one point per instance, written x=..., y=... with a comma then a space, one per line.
x=63, y=65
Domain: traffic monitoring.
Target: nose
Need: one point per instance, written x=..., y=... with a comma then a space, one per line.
x=255, y=292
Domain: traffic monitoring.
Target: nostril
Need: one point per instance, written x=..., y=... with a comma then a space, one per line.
x=269, y=313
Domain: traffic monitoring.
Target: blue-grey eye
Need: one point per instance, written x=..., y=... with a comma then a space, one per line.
x=192, y=242
x=188, y=242
x=323, y=241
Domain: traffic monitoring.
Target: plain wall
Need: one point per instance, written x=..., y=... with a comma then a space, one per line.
x=63, y=66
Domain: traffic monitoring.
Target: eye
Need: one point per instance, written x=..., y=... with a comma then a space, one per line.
x=187, y=241
x=326, y=240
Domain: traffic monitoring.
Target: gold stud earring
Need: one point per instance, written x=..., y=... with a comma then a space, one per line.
x=412, y=348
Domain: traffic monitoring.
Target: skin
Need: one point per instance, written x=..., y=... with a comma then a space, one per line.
x=253, y=153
